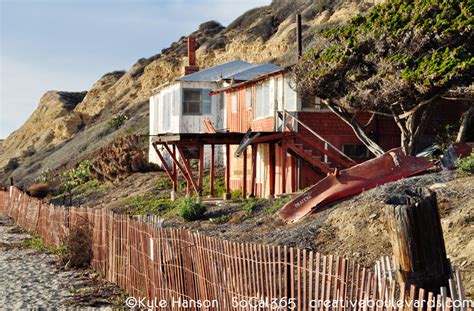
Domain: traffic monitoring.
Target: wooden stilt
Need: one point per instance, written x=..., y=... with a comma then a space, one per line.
x=254, y=169
x=211, y=177
x=184, y=172
x=175, y=172
x=200, y=169
x=283, y=166
x=293, y=175
x=187, y=167
x=244, y=175
x=272, y=169
x=227, y=171
x=165, y=165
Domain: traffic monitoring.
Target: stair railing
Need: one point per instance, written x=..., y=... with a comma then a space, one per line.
x=326, y=143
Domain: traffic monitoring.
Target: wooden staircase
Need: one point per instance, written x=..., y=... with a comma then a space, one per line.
x=316, y=151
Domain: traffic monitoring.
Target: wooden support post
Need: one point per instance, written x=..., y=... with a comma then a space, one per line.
x=227, y=172
x=200, y=169
x=11, y=181
x=283, y=165
x=211, y=177
x=244, y=175
x=165, y=165
x=254, y=170
x=294, y=174
x=187, y=167
x=417, y=239
x=183, y=171
x=272, y=169
x=175, y=172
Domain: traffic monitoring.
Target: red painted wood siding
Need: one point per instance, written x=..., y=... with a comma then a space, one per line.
x=242, y=119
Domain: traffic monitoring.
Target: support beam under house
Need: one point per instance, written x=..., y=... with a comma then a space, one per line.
x=212, y=173
x=227, y=172
x=254, y=170
x=200, y=169
x=272, y=169
x=244, y=175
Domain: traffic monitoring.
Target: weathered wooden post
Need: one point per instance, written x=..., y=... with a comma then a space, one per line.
x=417, y=239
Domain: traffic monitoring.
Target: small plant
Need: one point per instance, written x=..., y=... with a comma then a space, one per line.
x=466, y=164
x=74, y=177
x=189, y=209
x=221, y=219
x=236, y=196
x=117, y=121
x=37, y=242
x=251, y=204
x=219, y=185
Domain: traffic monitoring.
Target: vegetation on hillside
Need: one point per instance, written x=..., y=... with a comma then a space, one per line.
x=395, y=61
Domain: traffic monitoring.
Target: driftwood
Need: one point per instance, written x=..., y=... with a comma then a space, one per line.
x=417, y=239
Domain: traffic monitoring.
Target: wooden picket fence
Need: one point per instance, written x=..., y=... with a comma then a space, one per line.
x=179, y=266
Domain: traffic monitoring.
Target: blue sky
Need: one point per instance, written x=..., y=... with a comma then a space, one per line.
x=68, y=44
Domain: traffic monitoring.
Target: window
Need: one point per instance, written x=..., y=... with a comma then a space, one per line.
x=248, y=97
x=196, y=102
x=234, y=102
x=262, y=101
x=355, y=151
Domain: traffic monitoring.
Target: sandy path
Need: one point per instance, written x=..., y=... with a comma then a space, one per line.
x=29, y=278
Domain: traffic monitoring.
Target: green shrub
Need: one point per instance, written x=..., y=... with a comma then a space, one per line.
x=251, y=204
x=189, y=209
x=466, y=164
x=236, y=195
x=219, y=185
x=117, y=121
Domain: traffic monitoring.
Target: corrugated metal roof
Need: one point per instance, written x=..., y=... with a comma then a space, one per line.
x=254, y=72
x=218, y=72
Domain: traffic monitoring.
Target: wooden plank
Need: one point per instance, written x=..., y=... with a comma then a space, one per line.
x=323, y=282
x=254, y=170
x=244, y=175
x=329, y=280
x=284, y=152
x=227, y=168
x=317, y=277
x=200, y=169
x=271, y=155
x=212, y=171
x=187, y=168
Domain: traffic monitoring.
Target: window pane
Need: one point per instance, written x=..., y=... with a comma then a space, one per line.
x=234, y=102
x=248, y=97
x=192, y=95
x=192, y=103
x=206, y=102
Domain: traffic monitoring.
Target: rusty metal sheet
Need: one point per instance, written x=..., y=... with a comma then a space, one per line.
x=391, y=166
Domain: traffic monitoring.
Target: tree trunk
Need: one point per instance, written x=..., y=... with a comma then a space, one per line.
x=412, y=129
x=373, y=147
x=417, y=239
x=465, y=125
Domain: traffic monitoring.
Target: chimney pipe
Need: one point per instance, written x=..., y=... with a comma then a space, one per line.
x=191, y=67
x=298, y=35
x=191, y=51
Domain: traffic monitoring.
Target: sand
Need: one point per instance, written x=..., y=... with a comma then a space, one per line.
x=31, y=279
